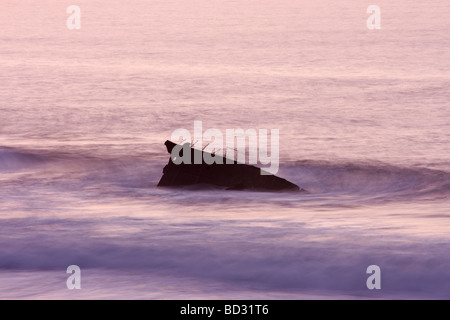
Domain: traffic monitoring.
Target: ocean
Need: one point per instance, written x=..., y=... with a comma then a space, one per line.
x=364, y=123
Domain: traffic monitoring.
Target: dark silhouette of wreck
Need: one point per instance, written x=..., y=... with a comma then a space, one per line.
x=235, y=176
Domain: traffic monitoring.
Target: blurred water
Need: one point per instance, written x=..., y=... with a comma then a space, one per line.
x=364, y=122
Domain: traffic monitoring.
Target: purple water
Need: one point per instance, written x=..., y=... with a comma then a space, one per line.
x=364, y=118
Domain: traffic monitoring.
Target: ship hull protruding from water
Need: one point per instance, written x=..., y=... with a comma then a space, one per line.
x=234, y=176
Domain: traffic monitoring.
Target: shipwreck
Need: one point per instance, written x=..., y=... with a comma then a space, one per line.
x=231, y=176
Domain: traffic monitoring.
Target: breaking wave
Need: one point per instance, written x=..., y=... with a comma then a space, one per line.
x=238, y=254
x=366, y=179
x=373, y=179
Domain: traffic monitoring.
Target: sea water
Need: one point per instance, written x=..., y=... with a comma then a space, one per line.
x=364, y=123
